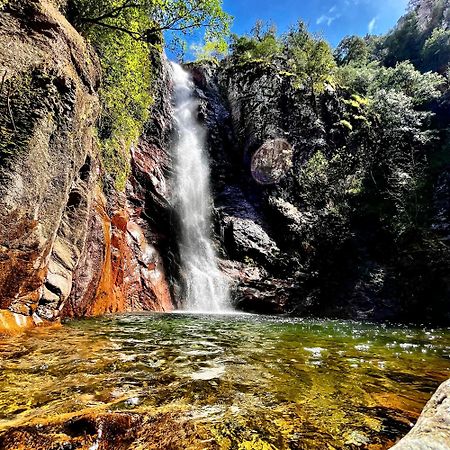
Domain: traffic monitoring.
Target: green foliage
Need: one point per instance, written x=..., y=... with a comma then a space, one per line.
x=373, y=173
x=436, y=51
x=125, y=92
x=212, y=51
x=346, y=124
x=328, y=183
x=397, y=156
x=382, y=164
x=309, y=58
x=156, y=16
x=357, y=78
x=405, y=41
x=421, y=88
x=404, y=78
x=314, y=178
x=261, y=45
x=352, y=49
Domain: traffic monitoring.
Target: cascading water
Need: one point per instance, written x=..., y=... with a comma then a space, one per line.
x=206, y=287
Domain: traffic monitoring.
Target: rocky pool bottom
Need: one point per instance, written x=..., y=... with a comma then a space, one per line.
x=177, y=381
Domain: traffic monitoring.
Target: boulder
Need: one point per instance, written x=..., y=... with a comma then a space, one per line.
x=432, y=430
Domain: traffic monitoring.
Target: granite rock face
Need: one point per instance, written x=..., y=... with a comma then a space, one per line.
x=264, y=130
x=247, y=109
x=432, y=430
x=66, y=247
x=49, y=158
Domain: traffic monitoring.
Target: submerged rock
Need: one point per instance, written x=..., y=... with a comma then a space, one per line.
x=105, y=431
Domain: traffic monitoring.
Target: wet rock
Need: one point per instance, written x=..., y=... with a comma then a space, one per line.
x=243, y=228
x=432, y=430
x=51, y=76
x=106, y=431
x=253, y=290
x=11, y=322
x=66, y=248
x=131, y=275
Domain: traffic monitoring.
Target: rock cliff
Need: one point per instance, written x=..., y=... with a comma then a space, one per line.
x=286, y=254
x=67, y=246
x=72, y=246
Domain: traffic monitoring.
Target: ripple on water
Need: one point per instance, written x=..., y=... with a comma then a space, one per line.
x=240, y=378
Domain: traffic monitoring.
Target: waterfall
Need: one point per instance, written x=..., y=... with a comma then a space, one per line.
x=206, y=288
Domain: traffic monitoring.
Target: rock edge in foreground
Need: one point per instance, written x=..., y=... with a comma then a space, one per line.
x=432, y=430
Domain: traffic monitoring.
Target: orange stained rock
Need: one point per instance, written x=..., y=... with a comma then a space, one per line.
x=13, y=323
x=120, y=220
x=124, y=284
x=107, y=298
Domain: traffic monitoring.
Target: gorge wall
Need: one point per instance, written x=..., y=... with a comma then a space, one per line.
x=72, y=245
x=68, y=246
x=294, y=230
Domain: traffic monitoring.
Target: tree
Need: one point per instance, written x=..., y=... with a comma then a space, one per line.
x=405, y=41
x=396, y=156
x=436, y=51
x=352, y=49
x=262, y=44
x=309, y=58
x=211, y=50
x=161, y=15
x=358, y=78
x=405, y=78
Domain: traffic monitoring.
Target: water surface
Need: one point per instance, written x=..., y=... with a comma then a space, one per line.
x=249, y=381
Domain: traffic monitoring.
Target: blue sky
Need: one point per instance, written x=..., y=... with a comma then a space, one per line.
x=333, y=19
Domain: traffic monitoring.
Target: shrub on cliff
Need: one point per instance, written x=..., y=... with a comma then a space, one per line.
x=261, y=45
x=213, y=50
x=310, y=58
x=371, y=78
x=125, y=33
x=352, y=49
x=436, y=51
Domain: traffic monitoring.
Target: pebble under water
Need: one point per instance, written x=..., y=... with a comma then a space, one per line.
x=243, y=381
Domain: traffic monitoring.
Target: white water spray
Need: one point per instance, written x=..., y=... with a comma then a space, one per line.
x=206, y=287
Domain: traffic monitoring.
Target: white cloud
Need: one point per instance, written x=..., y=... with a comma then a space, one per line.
x=325, y=19
x=328, y=19
x=371, y=25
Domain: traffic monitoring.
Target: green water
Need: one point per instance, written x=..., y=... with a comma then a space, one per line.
x=247, y=381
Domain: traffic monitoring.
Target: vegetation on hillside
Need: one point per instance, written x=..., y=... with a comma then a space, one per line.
x=376, y=178
x=125, y=33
